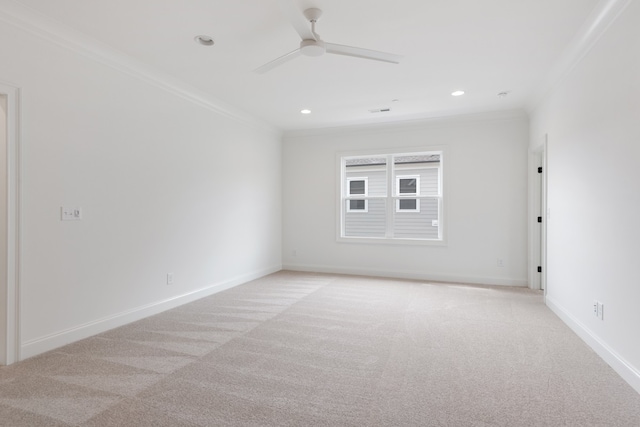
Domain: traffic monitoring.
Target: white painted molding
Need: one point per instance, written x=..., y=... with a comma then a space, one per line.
x=627, y=371
x=424, y=123
x=54, y=32
x=598, y=22
x=40, y=345
x=395, y=274
x=11, y=346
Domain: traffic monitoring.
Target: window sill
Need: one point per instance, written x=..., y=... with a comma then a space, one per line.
x=397, y=242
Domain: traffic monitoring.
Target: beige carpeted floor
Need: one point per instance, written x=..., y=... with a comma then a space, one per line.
x=297, y=349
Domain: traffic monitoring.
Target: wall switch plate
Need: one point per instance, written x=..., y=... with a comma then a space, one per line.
x=598, y=310
x=70, y=214
x=169, y=278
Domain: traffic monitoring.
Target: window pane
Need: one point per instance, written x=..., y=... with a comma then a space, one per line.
x=355, y=205
x=408, y=186
x=410, y=204
x=356, y=187
x=418, y=225
x=373, y=223
x=405, y=186
x=430, y=185
x=356, y=162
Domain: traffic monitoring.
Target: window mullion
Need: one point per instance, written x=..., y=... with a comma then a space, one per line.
x=390, y=196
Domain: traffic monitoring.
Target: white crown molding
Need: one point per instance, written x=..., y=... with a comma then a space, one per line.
x=415, y=124
x=35, y=23
x=596, y=25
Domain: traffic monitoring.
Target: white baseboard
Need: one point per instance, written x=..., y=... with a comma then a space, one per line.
x=43, y=344
x=500, y=281
x=627, y=371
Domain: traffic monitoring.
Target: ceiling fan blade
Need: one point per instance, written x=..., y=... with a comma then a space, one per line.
x=297, y=19
x=339, y=49
x=278, y=61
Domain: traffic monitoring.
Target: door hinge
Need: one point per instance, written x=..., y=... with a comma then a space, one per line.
x=539, y=219
x=540, y=169
x=539, y=269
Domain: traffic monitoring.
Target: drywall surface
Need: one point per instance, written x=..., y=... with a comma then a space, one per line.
x=165, y=184
x=485, y=196
x=593, y=127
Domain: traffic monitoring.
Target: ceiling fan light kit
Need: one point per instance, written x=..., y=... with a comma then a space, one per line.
x=312, y=45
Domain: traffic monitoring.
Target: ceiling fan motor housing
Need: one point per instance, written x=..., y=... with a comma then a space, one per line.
x=312, y=47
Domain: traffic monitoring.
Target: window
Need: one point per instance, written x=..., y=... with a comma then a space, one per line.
x=391, y=196
x=357, y=187
x=407, y=186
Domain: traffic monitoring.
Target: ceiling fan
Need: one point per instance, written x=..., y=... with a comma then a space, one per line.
x=312, y=45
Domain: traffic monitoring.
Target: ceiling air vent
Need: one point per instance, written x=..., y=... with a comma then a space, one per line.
x=380, y=110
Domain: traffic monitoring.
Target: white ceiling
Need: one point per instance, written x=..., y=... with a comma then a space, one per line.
x=480, y=46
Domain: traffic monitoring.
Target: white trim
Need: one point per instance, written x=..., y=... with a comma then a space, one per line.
x=445, y=121
x=538, y=207
x=11, y=347
x=42, y=344
x=595, y=26
x=625, y=369
x=54, y=32
x=402, y=195
x=366, y=193
x=412, y=275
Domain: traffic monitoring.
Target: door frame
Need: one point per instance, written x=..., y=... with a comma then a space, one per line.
x=538, y=207
x=9, y=285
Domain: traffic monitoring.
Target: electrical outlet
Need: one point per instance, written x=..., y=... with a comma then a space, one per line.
x=169, y=278
x=598, y=309
x=294, y=253
x=500, y=262
x=70, y=214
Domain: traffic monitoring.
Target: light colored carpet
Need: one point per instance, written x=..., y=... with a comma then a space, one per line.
x=299, y=349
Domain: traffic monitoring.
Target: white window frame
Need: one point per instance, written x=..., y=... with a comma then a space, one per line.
x=341, y=211
x=401, y=196
x=351, y=197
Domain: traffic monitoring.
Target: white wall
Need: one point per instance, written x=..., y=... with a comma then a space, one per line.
x=592, y=120
x=485, y=181
x=157, y=178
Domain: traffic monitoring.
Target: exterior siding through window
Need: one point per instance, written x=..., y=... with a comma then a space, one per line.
x=384, y=217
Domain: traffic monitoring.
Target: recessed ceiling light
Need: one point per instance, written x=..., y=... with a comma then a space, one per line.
x=457, y=93
x=305, y=111
x=204, y=40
